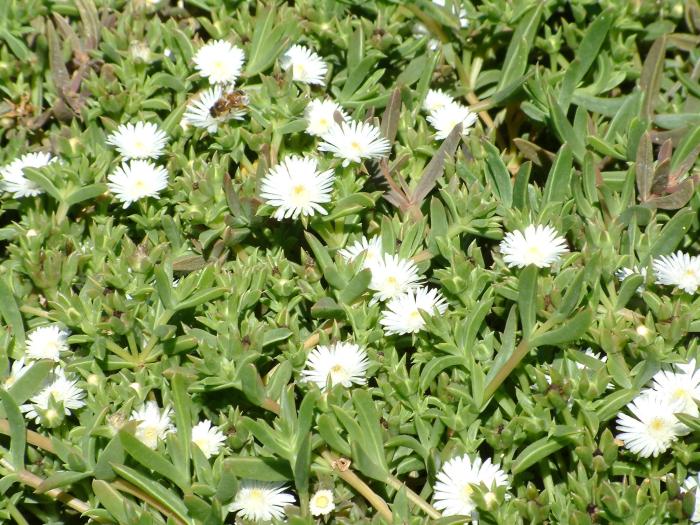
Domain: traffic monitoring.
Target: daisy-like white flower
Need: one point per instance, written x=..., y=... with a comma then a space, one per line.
x=307, y=66
x=201, y=111
x=62, y=389
x=261, y=501
x=680, y=270
x=392, y=276
x=153, y=425
x=219, y=61
x=320, y=116
x=653, y=427
x=624, y=272
x=680, y=389
x=403, y=313
x=321, y=503
x=136, y=180
x=448, y=116
x=538, y=245
x=17, y=370
x=345, y=364
x=296, y=187
x=354, y=141
x=208, y=438
x=455, y=484
x=371, y=248
x=46, y=342
x=12, y=175
x=691, y=484
x=143, y=140
x=436, y=99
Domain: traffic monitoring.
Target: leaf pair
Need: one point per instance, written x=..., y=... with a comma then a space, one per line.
x=666, y=184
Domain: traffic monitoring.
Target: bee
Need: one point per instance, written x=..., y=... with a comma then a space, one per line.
x=231, y=102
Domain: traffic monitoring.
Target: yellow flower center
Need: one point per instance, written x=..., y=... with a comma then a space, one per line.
x=150, y=434
x=679, y=393
x=467, y=492
x=322, y=122
x=415, y=315
x=534, y=251
x=256, y=496
x=299, y=70
x=355, y=145
x=656, y=424
x=322, y=501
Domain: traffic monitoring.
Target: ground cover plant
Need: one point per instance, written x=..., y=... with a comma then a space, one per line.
x=349, y=262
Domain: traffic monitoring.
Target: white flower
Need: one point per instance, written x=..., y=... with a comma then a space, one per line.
x=307, y=66
x=17, y=370
x=624, y=272
x=691, y=484
x=320, y=116
x=46, y=342
x=454, y=484
x=142, y=140
x=679, y=389
x=392, y=276
x=321, y=503
x=208, y=438
x=199, y=111
x=371, y=248
x=403, y=313
x=296, y=187
x=345, y=364
x=153, y=425
x=538, y=245
x=354, y=141
x=261, y=501
x=436, y=99
x=448, y=116
x=12, y=175
x=219, y=61
x=653, y=427
x=63, y=390
x=136, y=180
x=679, y=269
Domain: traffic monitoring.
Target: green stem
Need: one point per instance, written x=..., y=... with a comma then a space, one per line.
x=33, y=438
x=153, y=340
x=61, y=212
x=520, y=352
x=125, y=486
x=360, y=486
x=32, y=480
x=34, y=311
x=116, y=349
x=16, y=514
x=415, y=498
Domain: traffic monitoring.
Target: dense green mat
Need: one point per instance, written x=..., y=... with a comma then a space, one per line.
x=351, y=262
